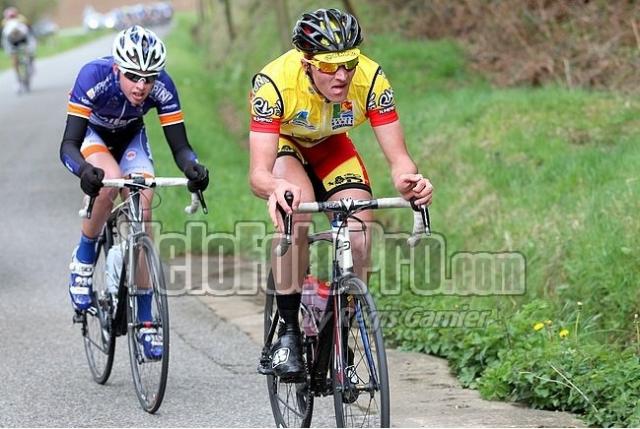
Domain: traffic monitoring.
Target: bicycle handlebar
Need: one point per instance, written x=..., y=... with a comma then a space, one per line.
x=197, y=198
x=421, y=219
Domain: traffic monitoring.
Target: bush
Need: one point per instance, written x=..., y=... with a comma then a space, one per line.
x=576, y=43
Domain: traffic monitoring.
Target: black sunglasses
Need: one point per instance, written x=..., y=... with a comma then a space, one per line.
x=136, y=77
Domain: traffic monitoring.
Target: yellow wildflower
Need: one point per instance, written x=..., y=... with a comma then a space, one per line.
x=564, y=333
x=538, y=326
x=548, y=322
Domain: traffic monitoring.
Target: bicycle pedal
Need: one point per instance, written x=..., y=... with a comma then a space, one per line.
x=264, y=367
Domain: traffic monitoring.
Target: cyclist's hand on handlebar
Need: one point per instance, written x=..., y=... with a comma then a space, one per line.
x=198, y=176
x=412, y=186
x=91, y=179
x=277, y=199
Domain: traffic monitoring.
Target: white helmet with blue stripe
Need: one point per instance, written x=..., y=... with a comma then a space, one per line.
x=139, y=50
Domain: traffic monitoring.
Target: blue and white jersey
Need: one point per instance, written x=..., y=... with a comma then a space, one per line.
x=96, y=96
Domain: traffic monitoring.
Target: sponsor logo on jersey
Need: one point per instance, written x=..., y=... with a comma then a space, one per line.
x=386, y=98
x=346, y=178
x=342, y=115
x=262, y=108
x=99, y=88
x=302, y=120
x=169, y=107
x=130, y=155
x=161, y=94
x=371, y=102
x=258, y=82
x=386, y=101
x=111, y=123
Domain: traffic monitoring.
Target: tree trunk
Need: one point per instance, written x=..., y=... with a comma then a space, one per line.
x=227, y=14
x=348, y=6
x=284, y=24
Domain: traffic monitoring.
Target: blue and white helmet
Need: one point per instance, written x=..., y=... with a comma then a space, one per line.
x=139, y=50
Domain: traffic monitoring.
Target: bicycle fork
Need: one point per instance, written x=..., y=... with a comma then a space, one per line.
x=346, y=373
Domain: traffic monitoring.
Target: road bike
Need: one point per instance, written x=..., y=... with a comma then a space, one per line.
x=126, y=267
x=345, y=355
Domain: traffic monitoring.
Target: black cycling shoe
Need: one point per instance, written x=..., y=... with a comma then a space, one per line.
x=286, y=357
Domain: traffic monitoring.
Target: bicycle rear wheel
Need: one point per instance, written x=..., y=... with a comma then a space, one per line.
x=149, y=375
x=98, y=335
x=291, y=403
x=24, y=72
x=361, y=393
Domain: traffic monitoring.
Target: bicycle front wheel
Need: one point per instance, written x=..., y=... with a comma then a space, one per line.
x=149, y=372
x=97, y=331
x=291, y=403
x=361, y=392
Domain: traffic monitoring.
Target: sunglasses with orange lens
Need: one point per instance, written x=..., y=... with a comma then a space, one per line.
x=333, y=67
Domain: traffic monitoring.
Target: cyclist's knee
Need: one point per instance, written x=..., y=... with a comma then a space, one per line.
x=360, y=243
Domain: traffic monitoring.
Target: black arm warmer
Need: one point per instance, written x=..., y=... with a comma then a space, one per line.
x=176, y=136
x=72, y=139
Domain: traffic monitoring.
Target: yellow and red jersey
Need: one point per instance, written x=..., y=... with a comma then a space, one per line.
x=284, y=101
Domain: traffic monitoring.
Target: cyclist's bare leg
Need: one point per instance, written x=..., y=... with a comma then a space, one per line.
x=360, y=241
x=104, y=202
x=289, y=270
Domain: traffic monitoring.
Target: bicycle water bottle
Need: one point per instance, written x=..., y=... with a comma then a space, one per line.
x=315, y=294
x=113, y=266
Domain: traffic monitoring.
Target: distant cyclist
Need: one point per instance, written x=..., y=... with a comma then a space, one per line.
x=302, y=106
x=17, y=36
x=12, y=12
x=105, y=137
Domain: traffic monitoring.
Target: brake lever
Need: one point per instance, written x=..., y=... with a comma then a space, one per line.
x=285, y=241
x=424, y=214
x=90, y=207
x=203, y=204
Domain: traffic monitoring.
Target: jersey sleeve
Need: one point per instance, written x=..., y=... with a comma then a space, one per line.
x=165, y=95
x=381, y=106
x=83, y=94
x=266, y=105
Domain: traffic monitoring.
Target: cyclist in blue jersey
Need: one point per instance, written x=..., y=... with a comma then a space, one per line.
x=105, y=138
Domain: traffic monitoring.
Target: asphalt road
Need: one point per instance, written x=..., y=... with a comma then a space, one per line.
x=44, y=377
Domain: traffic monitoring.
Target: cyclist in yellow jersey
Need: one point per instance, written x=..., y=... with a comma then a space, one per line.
x=17, y=35
x=302, y=106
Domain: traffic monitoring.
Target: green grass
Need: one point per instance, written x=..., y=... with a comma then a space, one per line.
x=549, y=173
x=56, y=44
